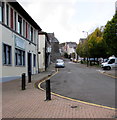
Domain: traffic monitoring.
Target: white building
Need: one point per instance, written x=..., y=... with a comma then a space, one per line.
x=44, y=50
x=18, y=41
x=71, y=48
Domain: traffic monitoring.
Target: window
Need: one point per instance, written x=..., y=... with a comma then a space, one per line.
x=11, y=18
x=111, y=61
x=29, y=29
x=6, y=54
x=19, y=57
x=19, y=25
x=34, y=60
x=15, y=21
x=24, y=28
x=34, y=36
x=31, y=34
x=7, y=15
x=2, y=11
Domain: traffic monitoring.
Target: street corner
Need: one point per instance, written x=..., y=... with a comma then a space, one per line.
x=109, y=73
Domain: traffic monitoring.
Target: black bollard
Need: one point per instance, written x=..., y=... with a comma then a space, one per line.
x=29, y=77
x=23, y=81
x=48, y=90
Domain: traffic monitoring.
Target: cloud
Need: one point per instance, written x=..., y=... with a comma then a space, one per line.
x=68, y=18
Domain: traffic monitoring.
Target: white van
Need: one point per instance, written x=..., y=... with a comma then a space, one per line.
x=111, y=63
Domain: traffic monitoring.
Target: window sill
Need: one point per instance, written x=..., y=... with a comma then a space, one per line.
x=20, y=66
x=7, y=65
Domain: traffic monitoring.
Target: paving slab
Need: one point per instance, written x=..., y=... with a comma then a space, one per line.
x=30, y=103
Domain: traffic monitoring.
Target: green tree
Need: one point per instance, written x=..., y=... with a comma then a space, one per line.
x=110, y=36
x=65, y=55
x=96, y=44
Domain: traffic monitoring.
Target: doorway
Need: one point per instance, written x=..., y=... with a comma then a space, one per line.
x=29, y=63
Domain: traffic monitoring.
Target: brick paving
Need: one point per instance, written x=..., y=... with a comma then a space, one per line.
x=31, y=103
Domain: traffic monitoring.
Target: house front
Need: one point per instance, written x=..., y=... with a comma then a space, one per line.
x=44, y=51
x=18, y=41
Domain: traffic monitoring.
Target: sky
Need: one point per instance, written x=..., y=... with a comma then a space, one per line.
x=68, y=18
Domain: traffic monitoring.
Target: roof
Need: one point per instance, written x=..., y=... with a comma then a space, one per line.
x=25, y=15
x=72, y=43
x=52, y=37
x=44, y=33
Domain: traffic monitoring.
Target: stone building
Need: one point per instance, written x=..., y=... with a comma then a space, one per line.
x=54, y=47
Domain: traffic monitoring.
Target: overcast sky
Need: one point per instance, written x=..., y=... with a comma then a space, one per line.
x=68, y=18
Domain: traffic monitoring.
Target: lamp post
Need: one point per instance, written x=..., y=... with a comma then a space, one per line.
x=86, y=45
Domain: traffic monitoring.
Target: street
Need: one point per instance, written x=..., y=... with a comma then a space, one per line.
x=83, y=83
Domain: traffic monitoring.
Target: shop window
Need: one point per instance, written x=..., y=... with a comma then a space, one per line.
x=19, y=25
x=6, y=54
x=19, y=57
x=34, y=60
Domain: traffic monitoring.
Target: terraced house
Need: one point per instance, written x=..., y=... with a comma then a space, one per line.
x=18, y=41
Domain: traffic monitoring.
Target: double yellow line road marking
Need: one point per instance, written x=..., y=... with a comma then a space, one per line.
x=87, y=103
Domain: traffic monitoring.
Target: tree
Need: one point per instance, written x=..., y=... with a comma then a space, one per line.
x=110, y=36
x=65, y=55
x=96, y=44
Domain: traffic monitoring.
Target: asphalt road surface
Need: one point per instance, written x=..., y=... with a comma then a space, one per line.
x=83, y=83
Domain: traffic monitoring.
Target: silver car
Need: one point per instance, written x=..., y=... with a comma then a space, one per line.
x=59, y=63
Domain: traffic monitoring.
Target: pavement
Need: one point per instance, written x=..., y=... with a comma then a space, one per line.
x=30, y=103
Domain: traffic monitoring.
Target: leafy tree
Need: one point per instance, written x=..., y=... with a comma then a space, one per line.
x=96, y=44
x=110, y=36
x=65, y=55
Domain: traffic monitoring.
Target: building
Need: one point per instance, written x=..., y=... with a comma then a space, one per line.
x=82, y=40
x=55, y=54
x=44, y=50
x=62, y=49
x=69, y=48
x=18, y=41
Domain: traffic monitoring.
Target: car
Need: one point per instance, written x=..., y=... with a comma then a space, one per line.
x=71, y=59
x=59, y=63
x=75, y=60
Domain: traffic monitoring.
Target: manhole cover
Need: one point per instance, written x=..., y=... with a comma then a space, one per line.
x=74, y=106
x=114, y=116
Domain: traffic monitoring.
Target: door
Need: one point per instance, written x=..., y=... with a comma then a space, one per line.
x=29, y=63
x=112, y=63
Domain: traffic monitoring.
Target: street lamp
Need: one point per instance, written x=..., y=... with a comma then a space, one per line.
x=86, y=45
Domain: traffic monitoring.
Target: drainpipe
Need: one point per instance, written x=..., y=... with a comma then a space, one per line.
x=38, y=53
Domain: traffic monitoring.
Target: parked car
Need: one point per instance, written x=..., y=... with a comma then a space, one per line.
x=71, y=59
x=59, y=63
x=75, y=60
x=111, y=63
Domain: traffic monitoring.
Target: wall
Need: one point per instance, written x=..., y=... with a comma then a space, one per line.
x=42, y=54
x=13, y=72
x=0, y=52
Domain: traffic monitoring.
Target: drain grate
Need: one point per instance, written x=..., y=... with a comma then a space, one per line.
x=74, y=106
